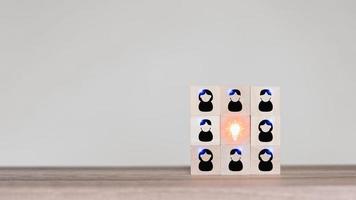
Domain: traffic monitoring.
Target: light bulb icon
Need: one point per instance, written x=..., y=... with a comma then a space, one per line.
x=235, y=130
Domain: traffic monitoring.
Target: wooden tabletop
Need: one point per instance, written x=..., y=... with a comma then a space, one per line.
x=295, y=182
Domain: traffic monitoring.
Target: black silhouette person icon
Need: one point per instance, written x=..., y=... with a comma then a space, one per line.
x=205, y=134
x=235, y=163
x=265, y=156
x=205, y=157
x=205, y=98
x=265, y=103
x=265, y=127
x=235, y=104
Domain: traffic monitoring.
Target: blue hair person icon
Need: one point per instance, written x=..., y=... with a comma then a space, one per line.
x=235, y=163
x=265, y=156
x=234, y=104
x=265, y=127
x=205, y=157
x=265, y=104
x=205, y=98
x=205, y=134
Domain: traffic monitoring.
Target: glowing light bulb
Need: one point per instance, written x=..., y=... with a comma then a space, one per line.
x=235, y=131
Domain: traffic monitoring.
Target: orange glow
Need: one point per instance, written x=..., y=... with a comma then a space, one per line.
x=235, y=129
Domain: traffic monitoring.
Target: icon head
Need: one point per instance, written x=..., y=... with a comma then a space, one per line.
x=205, y=125
x=265, y=155
x=235, y=95
x=235, y=154
x=265, y=95
x=265, y=126
x=205, y=95
x=205, y=155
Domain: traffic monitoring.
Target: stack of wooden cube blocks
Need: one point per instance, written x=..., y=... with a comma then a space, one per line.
x=235, y=130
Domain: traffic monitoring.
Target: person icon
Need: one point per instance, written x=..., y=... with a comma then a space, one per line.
x=265, y=156
x=205, y=134
x=205, y=157
x=235, y=104
x=265, y=127
x=235, y=163
x=265, y=103
x=205, y=98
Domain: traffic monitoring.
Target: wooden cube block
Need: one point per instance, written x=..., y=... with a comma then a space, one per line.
x=205, y=100
x=235, y=159
x=235, y=100
x=265, y=160
x=265, y=100
x=265, y=130
x=205, y=160
x=205, y=130
x=235, y=129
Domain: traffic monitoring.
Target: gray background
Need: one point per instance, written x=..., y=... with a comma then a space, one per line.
x=107, y=82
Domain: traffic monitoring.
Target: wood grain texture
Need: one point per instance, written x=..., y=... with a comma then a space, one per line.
x=295, y=182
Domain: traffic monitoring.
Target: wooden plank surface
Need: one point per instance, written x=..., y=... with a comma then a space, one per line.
x=295, y=182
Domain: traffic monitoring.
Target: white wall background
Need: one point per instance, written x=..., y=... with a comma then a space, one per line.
x=107, y=82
